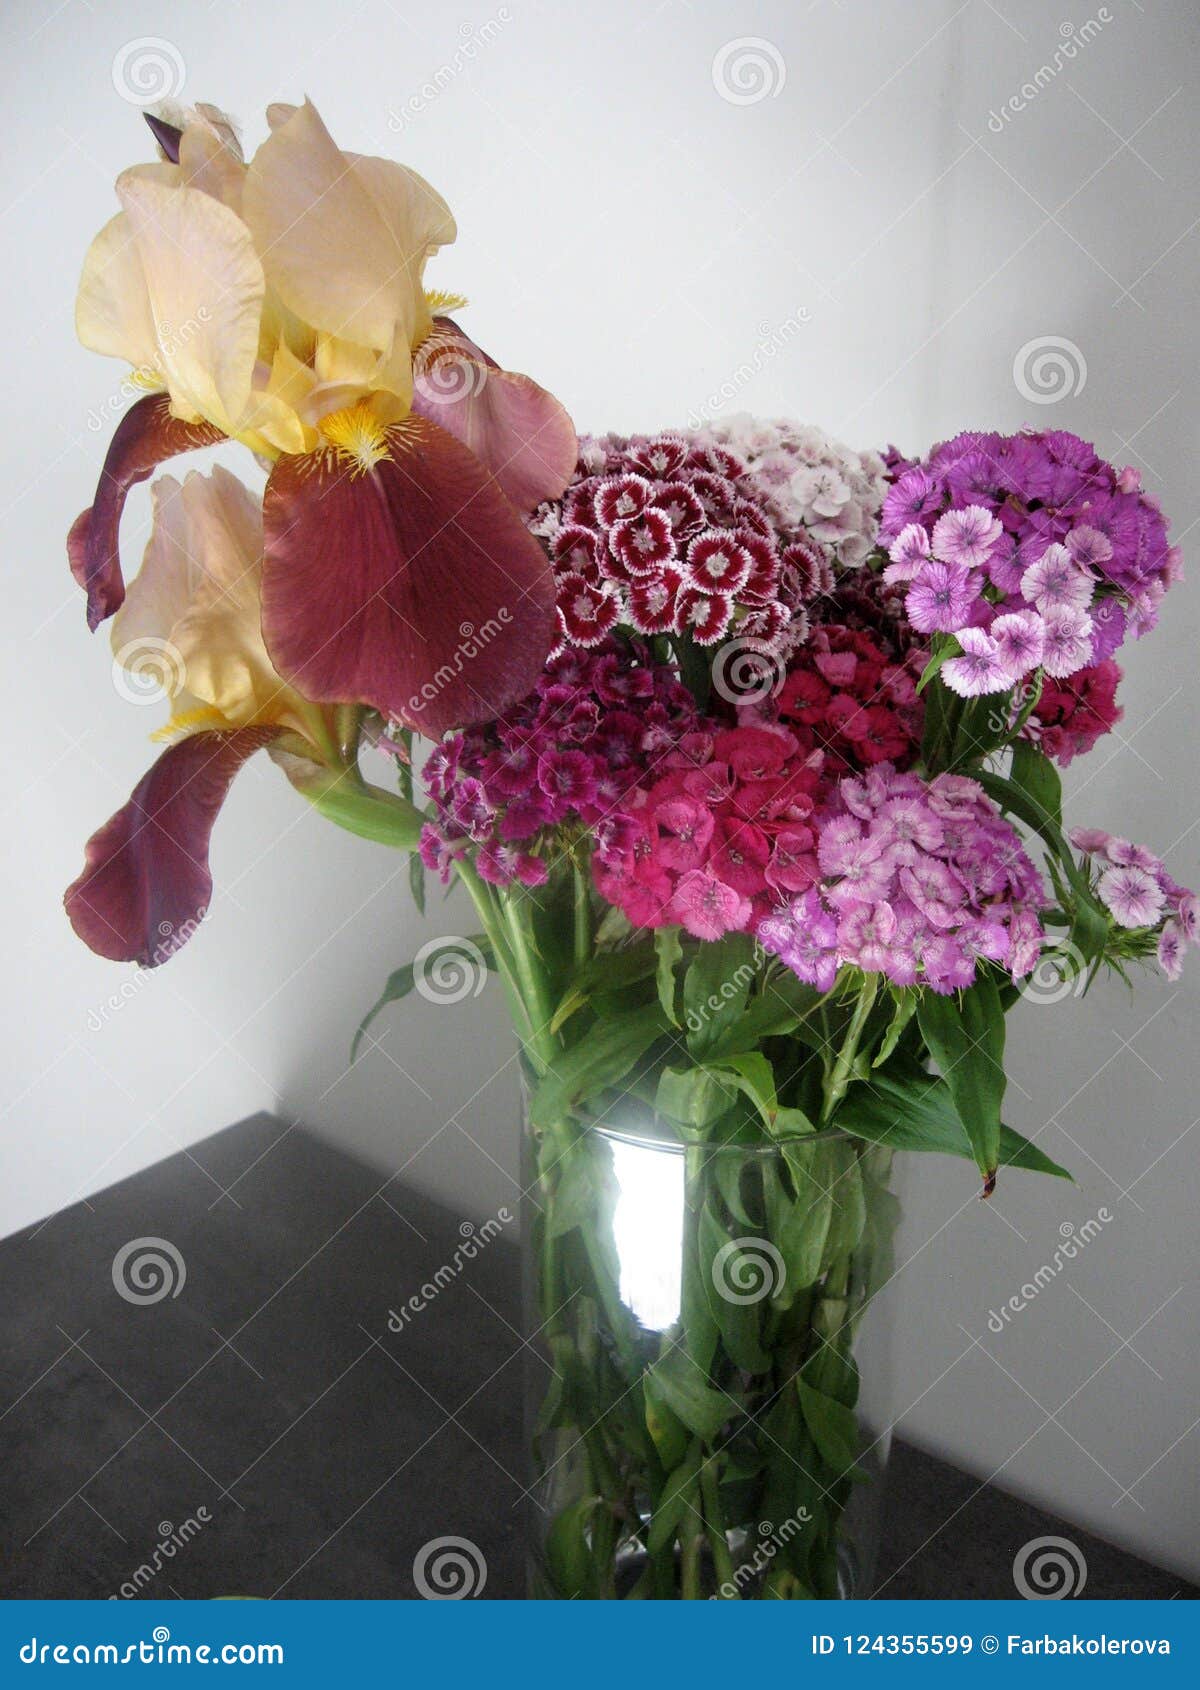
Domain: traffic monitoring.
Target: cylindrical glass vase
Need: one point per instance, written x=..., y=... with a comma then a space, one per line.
x=707, y=1384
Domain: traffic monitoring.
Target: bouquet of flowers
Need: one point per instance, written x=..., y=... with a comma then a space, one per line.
x=743, y=743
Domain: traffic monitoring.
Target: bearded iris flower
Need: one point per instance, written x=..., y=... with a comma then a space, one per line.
x=281, y=303
x=191, y=623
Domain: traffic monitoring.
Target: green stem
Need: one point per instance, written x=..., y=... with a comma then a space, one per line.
x=691, y=1541
x=582, y=947
x=837, y=1083
x=714, y=1520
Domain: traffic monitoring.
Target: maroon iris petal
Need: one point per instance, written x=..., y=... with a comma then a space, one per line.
x=412, y=586
x=515, y=428
x=144, y=437
x=145, y=884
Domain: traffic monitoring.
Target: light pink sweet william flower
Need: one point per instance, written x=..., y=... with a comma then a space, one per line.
x=1131, y=895
x=707, y=907
x=967, y=536
x=1056, y=582
x=1020, y=637
x=980, y=669
x=1170, y=950
x=909, y=551
x=1067, y=645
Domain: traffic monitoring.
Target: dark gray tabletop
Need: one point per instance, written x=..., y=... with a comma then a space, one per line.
x=263, y=1433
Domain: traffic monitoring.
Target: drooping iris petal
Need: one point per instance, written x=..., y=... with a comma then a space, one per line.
x=145, y=883
x=514, y=427
x=146, y=435
x=410, y=585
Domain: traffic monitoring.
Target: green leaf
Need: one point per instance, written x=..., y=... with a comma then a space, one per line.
x=965, y=1036
x=1037, y=777
x=692, y=1098
x=668, y=950
x=715, y=989
x=401, y=982
x=778, y=1007
x=945, y=646
x=1090, y=926
x=907, y=1109
x=569, y=1557
x=737, y=1322
x=799, y=1206
x=416, y=881
x=604, y=1055
x=752, y=1074
x=685, y=1390
x=906, y=1008
x=674, y=1503
x=833, y=1426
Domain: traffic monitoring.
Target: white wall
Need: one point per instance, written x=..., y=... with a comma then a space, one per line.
x=878, y=256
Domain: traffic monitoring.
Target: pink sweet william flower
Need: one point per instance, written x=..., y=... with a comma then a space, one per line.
x=1132, y=896
x=980, y=669
x=1057, y=583
x=966, y=537
x=707, y=907
x=941, y=598
x=1089, y=547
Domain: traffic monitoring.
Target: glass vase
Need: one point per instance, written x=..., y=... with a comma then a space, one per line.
x=707, y=1383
